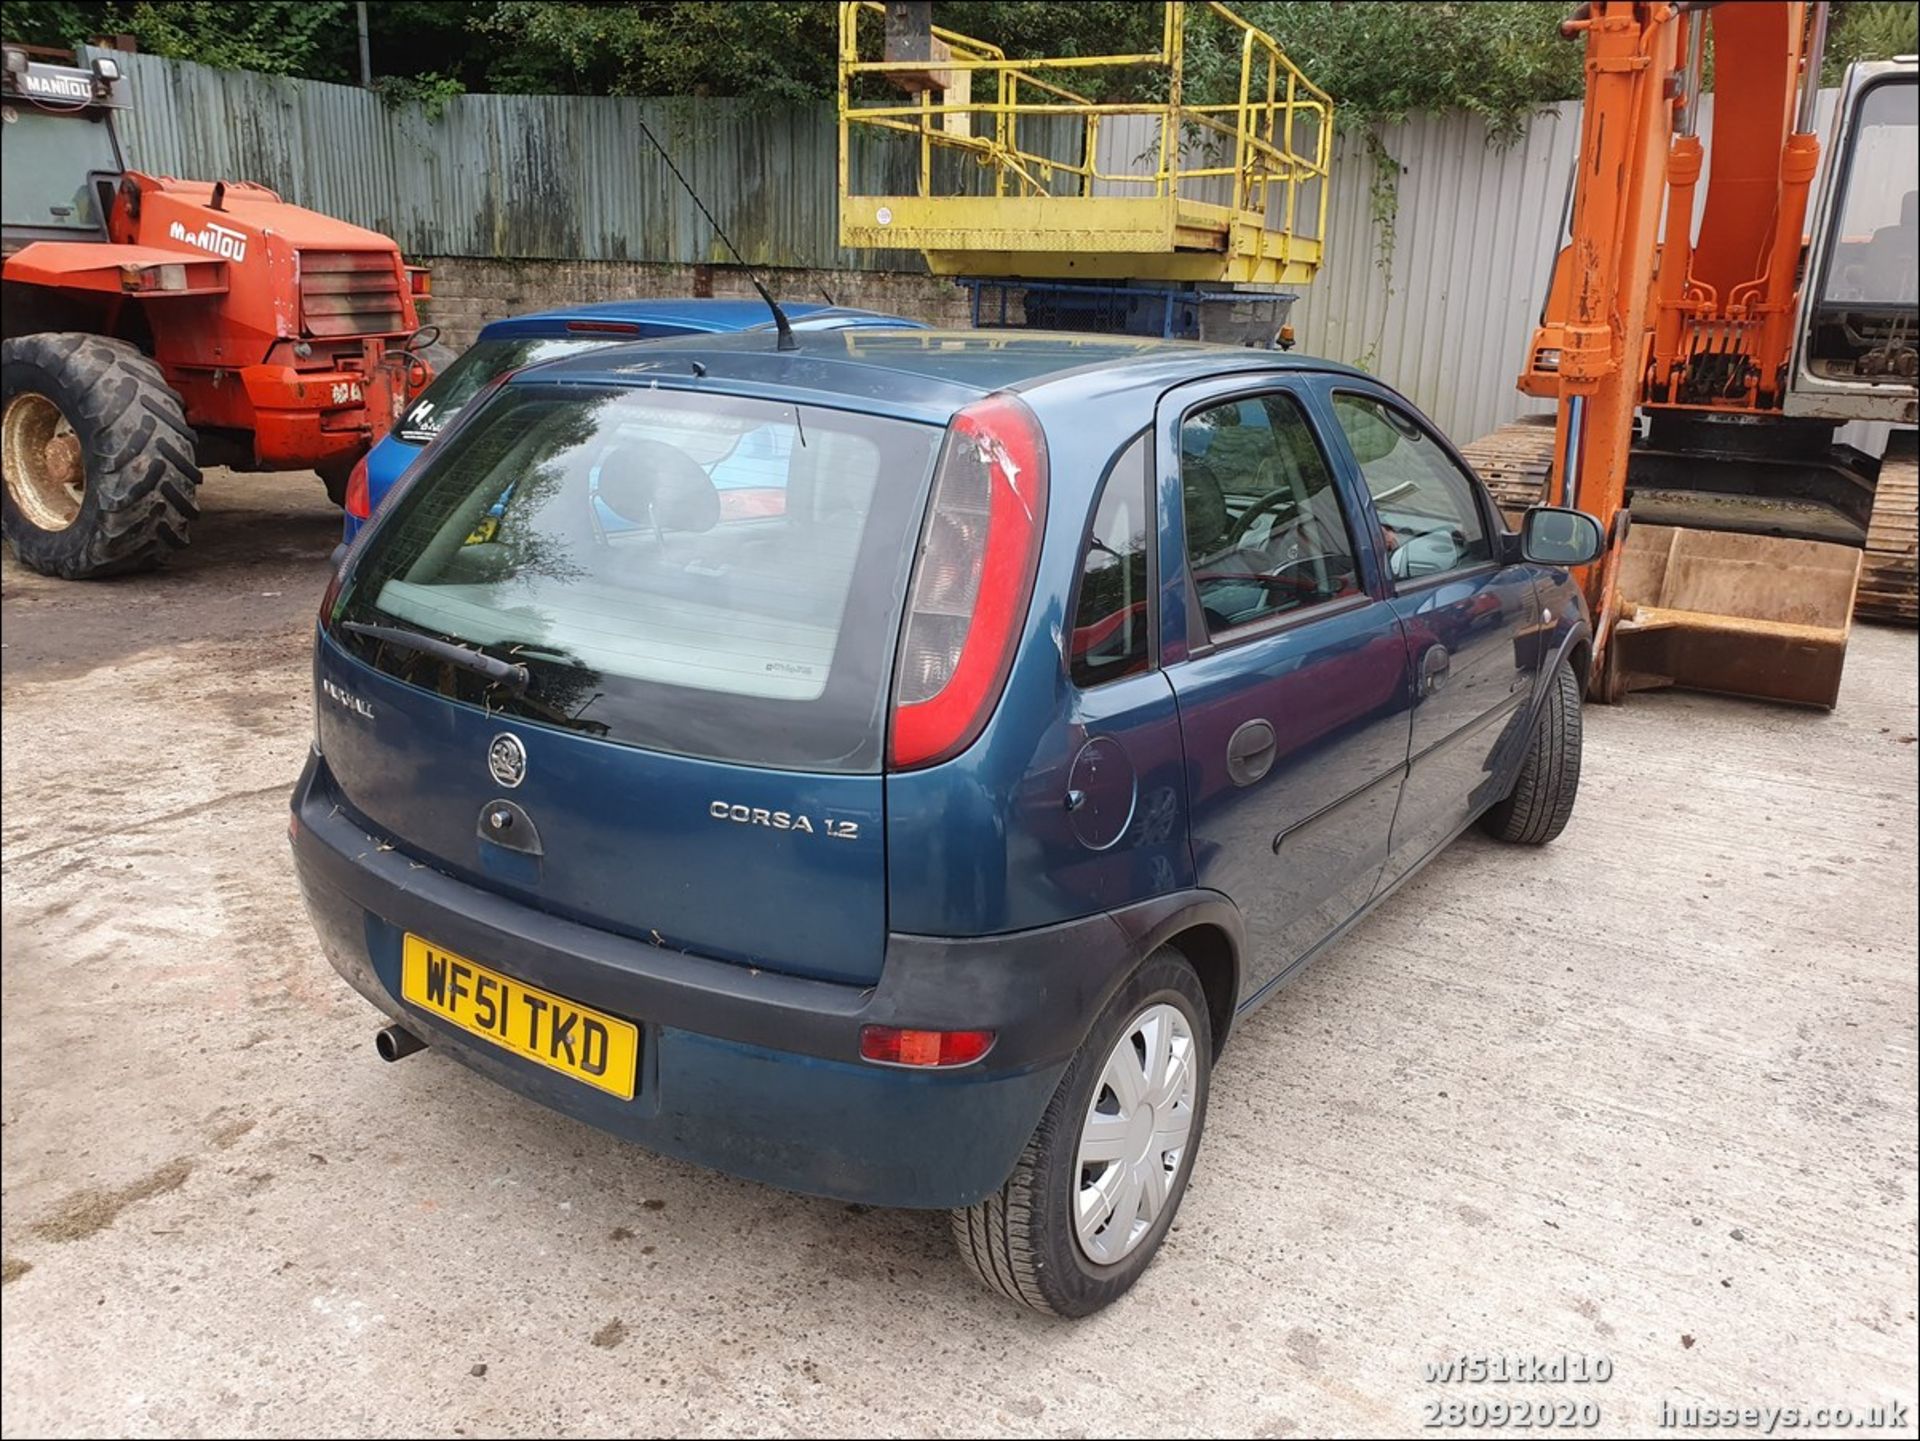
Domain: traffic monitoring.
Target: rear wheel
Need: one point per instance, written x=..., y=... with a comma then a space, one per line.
x=1541, y=801
x=97, y=456
x=1097, y=1187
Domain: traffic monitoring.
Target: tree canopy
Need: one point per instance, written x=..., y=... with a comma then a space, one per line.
x=1495, y=58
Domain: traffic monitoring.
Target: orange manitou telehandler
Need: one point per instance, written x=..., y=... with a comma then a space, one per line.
x=1703, y=347
x=149, y=326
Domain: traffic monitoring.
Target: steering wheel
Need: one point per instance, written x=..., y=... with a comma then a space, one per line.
x=1269, y=502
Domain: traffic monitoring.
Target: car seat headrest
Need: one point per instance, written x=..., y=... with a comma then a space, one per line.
x=652, y=483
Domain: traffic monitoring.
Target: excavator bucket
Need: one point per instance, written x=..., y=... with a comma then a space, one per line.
x=1746, y=615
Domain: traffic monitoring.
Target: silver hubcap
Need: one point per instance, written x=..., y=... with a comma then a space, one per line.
x=1135, y=1134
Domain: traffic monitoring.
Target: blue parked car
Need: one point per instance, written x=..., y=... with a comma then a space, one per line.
x=523, y=340
x=918, y=836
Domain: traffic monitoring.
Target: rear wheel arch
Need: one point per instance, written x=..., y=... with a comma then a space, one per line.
x=1207, y=930
x=1210, y=951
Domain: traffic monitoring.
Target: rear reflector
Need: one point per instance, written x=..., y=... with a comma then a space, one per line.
x=603, y=327
x=153, y=277
x=359, y=499
x=971, y=581
x=892, y=1046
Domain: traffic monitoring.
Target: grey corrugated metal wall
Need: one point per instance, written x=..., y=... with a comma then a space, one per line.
x=1473, y=234
x=569, y=177
x=1475, y=227
x=524, y=176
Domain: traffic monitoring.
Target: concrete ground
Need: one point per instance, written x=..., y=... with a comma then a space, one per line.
x=1647, y=1096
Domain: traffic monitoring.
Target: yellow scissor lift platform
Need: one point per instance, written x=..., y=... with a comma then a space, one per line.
x=1042, y=181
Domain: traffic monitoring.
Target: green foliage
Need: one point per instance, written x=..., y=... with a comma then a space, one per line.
x=275, y=37
x=1495, y=58
x=430, y=91
x=1498, y=59
x=63, y=23
x=1870, y=30
x=312, y=38
x=778, y=49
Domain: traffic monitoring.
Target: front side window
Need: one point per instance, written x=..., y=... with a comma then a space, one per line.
x=1430, y=517
x=1110, y=617
x=1265, y=533
x=49, y=186
x=704, y=574
x=1878, y=215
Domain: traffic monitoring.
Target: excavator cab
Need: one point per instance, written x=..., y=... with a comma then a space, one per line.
x=1860, y=321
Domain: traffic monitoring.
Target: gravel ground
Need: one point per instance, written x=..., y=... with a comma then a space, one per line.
x=1646, y=1096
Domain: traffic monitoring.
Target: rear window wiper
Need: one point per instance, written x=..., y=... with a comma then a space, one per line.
x=514, y=677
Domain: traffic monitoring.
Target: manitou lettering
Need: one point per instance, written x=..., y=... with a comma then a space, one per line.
x=214, y=239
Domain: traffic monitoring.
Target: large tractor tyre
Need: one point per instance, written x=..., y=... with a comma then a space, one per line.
x=97, y=456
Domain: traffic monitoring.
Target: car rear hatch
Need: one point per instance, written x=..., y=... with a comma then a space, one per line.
x=624, y=655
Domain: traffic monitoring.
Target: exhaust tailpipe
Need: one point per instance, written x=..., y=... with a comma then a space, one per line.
x=395, y=1042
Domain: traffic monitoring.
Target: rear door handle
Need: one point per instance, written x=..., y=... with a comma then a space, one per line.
x=1434, y=668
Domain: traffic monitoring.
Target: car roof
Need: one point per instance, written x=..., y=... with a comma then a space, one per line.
x=923, y=373
x=708, y=316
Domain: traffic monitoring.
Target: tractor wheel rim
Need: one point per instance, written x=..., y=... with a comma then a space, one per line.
x=44, y=462
x=1135, y=1134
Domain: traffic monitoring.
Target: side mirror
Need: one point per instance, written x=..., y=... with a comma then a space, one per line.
x=1552, y=536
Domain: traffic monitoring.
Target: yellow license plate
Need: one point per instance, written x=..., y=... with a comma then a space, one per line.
x=593, y=1048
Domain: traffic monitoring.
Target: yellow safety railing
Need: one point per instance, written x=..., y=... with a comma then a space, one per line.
x=1275, y=138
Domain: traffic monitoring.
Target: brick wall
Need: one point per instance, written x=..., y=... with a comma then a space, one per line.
x=469, y=293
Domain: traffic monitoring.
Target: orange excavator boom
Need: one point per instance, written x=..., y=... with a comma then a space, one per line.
x=1735, y=528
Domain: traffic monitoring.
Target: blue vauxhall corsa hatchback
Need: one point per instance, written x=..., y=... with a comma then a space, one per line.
x=917, y=833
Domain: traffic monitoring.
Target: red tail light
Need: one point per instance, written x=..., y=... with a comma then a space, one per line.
x=892, y=1046
x=359, y=501
x=971, y=581
x=420, y=280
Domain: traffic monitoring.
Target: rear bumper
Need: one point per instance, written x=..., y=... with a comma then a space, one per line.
x=752, y=1072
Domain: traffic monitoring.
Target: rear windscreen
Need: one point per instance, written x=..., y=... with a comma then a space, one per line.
x=709, y=575
x=479, y=363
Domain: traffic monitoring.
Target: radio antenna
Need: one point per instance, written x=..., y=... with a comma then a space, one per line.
x=780, y=322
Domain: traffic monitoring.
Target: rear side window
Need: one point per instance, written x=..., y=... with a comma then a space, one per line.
x=1429, y=515
x=1265, y=533
x=704, y=574
x=1110, y=617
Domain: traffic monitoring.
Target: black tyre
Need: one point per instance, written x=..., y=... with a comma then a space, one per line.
x=1097, y=1187
x=334, y=476
x=1542, y=798
x=98, y=458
